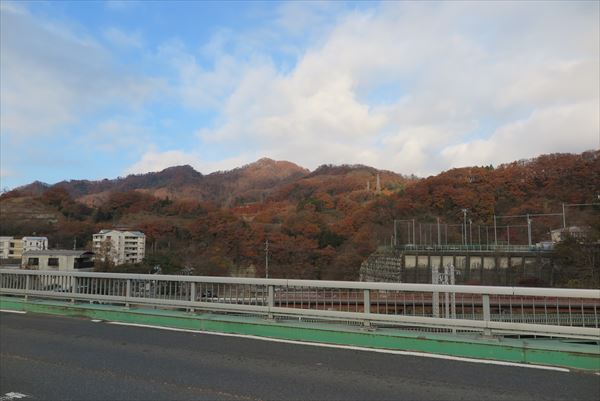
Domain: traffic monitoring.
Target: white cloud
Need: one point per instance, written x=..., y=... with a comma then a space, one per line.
x=570, y=128
x=123, y=39
x=458, y=77
x=117, y=134
x=155, y=160
x=52, y=76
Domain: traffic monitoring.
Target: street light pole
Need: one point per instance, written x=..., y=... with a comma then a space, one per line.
x=267, y=258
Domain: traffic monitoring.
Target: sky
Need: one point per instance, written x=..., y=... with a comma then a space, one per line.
x=93, y=90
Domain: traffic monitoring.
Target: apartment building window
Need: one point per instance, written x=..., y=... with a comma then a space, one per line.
x=52, y=261
x=33, y=261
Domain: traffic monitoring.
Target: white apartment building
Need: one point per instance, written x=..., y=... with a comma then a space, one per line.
x=13, y=248
x=120, y=246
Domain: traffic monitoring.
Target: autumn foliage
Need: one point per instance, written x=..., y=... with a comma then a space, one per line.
x=320, y=224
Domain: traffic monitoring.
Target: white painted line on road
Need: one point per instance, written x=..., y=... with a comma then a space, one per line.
x=12, y=396
x=351, y=347
x=20, y=312
x=96, y=320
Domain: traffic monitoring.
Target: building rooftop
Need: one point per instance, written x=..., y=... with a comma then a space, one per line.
x=57, y=252
x=132, y=233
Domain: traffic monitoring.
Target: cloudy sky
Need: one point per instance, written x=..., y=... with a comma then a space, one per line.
x=105, y=89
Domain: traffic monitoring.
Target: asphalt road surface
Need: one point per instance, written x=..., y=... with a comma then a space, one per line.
x=58, y=358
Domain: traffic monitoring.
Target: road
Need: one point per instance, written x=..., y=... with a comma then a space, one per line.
x=59, y=358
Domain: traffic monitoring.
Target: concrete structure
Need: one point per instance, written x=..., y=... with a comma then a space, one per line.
x=120, y=246
x=534, y=266
x=58, y=259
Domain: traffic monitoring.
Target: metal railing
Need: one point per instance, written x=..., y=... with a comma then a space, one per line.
x=555, y=312
x=474, y=248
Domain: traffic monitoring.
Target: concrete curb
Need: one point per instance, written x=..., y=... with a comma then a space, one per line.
x=570, y=354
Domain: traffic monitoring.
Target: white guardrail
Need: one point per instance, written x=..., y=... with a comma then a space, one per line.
x=557, y=312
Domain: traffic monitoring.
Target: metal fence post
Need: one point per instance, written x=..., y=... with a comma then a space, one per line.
x=367, y=306
x=128, y=292
x=73, y=288
x=192, y=294
x=27, y=286
x=270, y=300
x=435, y=298
x=486, y=314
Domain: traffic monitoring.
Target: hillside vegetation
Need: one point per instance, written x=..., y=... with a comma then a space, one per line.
x=320, y=224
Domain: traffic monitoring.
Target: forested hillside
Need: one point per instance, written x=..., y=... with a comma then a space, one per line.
x=320, y=224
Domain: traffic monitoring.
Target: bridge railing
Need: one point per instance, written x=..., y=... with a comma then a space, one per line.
x=555, y=312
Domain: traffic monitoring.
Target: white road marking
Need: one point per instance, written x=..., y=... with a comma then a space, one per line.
x=96, y=320
x=12, y=311
x=351, y=347
x=12, y=396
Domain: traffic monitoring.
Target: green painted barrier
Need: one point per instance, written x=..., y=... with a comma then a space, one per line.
x=581, y=355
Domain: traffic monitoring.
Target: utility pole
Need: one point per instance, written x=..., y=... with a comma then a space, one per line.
x=446, y=233
x=75, y=243
x=464, y=226
x=395, y=234
x=267, y=258
x=528, y=230
x=470, y=232
x=439, y=233
x=414, y=238
x=495, y=232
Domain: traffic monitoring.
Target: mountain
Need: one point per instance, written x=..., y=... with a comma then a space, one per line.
x=250, y=183
x=320, y=224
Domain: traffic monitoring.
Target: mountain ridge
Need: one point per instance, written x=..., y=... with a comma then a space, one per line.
x=251, y=182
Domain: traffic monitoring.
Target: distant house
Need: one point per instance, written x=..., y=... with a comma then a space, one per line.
x=34, y=243
x=560, y=234
x=120, y=246
x=58, y=259
x=13, y=248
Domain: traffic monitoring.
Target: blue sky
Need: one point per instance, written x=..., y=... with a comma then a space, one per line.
x=104, y=89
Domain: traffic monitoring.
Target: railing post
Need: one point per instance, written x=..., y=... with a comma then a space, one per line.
x=435, y=297
x=192, y=295
x=128, y=292
x=486, y=314
x=73, y=287
x=27, y=286
x=270, y=300
x=367, y=307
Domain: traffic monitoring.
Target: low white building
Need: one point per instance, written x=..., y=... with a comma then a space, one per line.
x=120, y=246
x=34, y=243
x=58, y=259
